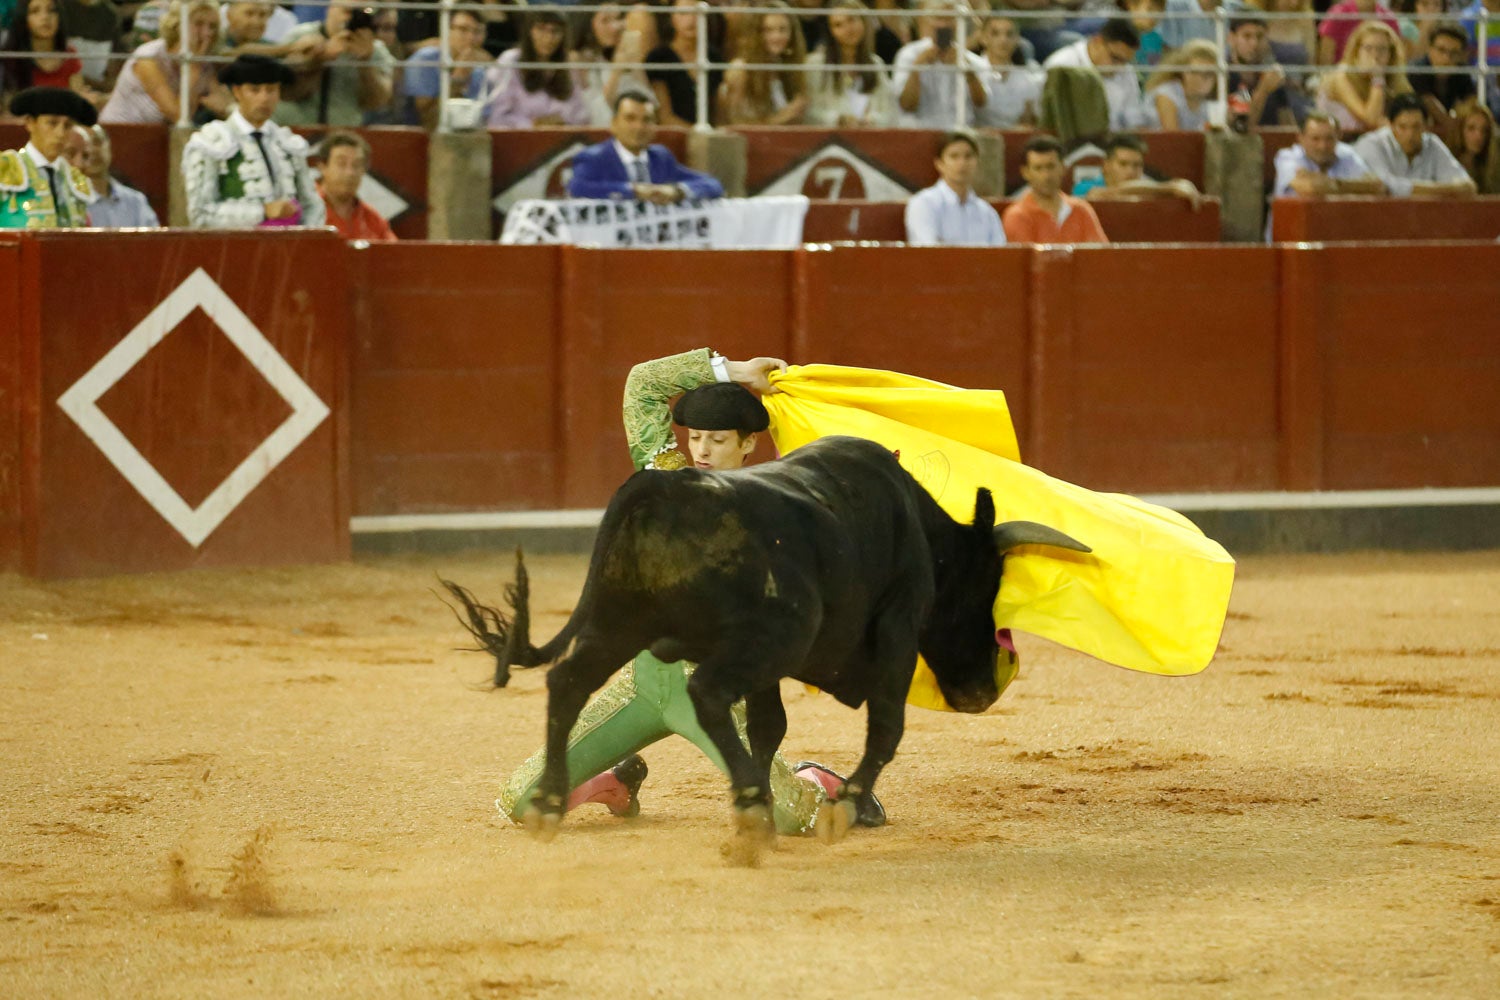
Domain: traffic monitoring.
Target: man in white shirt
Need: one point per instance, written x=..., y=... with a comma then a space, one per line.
x=1319, y=164
x=247, y=171
x=1408, y=159
x=924, y=72
x=950, y=213
x=1111, y=50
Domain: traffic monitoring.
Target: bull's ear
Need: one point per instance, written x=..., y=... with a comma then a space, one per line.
x=984, y=510
x=1013, y=533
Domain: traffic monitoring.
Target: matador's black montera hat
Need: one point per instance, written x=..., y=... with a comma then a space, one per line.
x=53, y=101
x=721, y=406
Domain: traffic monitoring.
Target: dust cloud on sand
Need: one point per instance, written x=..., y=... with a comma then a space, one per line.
x=278, y=782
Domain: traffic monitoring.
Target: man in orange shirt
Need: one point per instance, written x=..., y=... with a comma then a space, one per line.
x=345, y=156
x=1044, y=214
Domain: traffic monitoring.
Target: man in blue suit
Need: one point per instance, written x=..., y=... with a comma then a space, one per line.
x=629, y=166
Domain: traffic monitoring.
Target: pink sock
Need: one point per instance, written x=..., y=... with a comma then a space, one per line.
x=603, y=788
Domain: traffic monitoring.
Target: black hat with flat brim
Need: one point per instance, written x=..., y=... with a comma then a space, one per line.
x=255, y=69
x=53, y=101
x=721, y=406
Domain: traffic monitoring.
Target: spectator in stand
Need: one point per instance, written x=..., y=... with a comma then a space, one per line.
x=1125, y=176
x=1179, y=30
x=813, y=24
x=951, y=213
x=342, y=70
x=423, y=81
x=1408, y=159
x=924, y=84
x=1476, y=146
x=394, y=110
x=1111, y=50
x=1319, y=164
x=55, y=63
x=1345, y=18
x=244, y=26
x=247, y=171
x=1417, y=19
x=342, y=159
x=1470, y=19
x=1270, y=96
x=1371, y=72
x=1046, y=27
x=146, y=92
x=1294, y=36
x=673, y=83
x=767, y=97
x=629, y=165
x=845, y=97
x=522, y=98
x=1441, y=77
x=1146, y=17
x=1043, y=214
x=115, y=205
x=604, y=38
x=1180, y=93
x=95, y=31
x=1015, y=83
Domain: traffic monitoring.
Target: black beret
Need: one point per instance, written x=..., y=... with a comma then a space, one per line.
x=251, y=68
x=53, y=101
x=721, y=406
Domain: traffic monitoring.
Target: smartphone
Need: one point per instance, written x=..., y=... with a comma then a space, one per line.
x=942, y=38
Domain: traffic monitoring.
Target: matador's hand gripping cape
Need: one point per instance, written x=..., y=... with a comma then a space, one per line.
x=1151, y=596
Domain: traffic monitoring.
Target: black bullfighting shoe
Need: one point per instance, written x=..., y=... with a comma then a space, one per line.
x=631, y=773
x=872, y=814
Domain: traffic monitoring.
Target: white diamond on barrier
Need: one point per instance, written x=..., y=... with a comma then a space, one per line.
x=534, y=183
x=381, y=198
x=81, y=402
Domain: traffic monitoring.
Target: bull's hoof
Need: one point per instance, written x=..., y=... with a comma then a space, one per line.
x=754, y=834
x=541, y=825
x=834, y=819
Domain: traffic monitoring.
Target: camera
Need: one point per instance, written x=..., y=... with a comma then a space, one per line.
x=362, y=18
x=942, y=38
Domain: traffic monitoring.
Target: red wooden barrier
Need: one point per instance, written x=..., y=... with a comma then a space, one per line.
x=192, y=416
x=621, y=307
x=1168, y=220
x=1367, y=219
x=1155, y=369
x=456, y=361
x=11, y=465
x=1393, y=371
x=954, y=314
x=857, y=164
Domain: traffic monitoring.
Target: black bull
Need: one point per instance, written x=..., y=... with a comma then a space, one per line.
x=832, y=566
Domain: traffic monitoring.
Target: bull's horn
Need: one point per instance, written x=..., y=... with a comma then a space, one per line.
x=1013, y=533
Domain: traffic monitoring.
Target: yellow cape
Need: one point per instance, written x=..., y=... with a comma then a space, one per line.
x=1151, y=596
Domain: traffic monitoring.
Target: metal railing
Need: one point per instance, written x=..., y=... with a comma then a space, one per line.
x=702, y=65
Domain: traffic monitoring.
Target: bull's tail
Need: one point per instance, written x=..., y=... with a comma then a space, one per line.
x=507, y=637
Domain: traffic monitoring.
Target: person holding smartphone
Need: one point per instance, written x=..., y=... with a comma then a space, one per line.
x=342, y=70
x=925, y=70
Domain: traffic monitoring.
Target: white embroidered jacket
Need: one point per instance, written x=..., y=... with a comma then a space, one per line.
x=226, y=181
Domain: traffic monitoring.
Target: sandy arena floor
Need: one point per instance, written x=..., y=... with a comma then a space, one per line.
x=276, y=783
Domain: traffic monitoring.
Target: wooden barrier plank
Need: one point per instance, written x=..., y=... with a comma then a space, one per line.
x=455, y=372
x=1146, y=381
x=194, y=409
x=1363, y=219
x=12, y=470
x=622, y=307
x=956, y=315
x=1410, y=382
